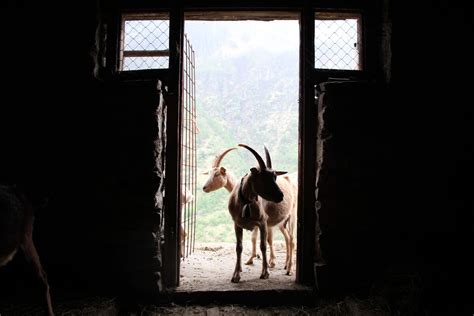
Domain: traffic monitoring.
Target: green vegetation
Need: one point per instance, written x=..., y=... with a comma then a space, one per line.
x=247, y=92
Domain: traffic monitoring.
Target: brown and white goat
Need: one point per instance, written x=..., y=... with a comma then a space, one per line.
x=16, y=231
x=286, y=209
x=220, y=177
x=248, y=210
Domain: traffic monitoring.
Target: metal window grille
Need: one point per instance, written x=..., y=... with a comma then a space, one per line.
x=188, y=146
x=145, y=42
x=337, y=41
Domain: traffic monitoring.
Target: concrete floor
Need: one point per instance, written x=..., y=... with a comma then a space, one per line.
x=211, y=266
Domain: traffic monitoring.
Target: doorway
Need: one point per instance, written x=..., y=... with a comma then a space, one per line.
x=246, y=91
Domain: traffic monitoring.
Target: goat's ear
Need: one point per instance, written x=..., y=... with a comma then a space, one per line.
x=254, y=171
x=223, y=170
x=280, y=173
x=205, y=172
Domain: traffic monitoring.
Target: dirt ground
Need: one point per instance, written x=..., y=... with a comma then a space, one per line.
x=345, y=307
x=211, y=266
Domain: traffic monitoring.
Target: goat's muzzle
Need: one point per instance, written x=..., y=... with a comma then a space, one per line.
x=279, y=197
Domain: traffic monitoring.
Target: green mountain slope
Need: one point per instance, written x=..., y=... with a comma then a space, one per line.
x=246, y=93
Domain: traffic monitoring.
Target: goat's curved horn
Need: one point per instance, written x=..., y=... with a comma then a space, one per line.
x=267, y=156
x=259, y=158
x=219, y=158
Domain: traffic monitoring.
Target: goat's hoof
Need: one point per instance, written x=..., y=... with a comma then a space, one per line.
x=271, y=264
x=235, y=279
x=289, y=273
x=264, y=275
x=249, y=262
x=284, y=268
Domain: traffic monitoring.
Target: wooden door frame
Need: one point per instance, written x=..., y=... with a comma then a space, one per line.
x=307, y=226
x=306, y=151
x=171, y=258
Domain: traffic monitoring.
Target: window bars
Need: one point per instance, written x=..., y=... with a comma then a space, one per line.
x=337, y=41
x=144, y=42
x=188, y=146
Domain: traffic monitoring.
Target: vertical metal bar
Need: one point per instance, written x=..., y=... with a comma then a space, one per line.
x=121, y=59
x=307, y=151
x=360, y=47
x=187, y=140
x=194, y=131
x=183, y=143
x=183, y=140
x=191, y=167
x=185, y=136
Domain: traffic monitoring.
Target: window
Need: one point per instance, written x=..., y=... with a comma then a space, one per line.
x=337, y=41
x=144, y=42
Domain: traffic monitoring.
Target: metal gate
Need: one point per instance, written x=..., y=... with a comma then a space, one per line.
x=188, y=152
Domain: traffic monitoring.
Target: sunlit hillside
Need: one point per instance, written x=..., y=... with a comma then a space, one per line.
x=247, y=92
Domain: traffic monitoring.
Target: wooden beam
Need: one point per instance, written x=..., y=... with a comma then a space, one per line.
x=146, y=53
x=305, y=272
x=226, y=15
x=170, y=271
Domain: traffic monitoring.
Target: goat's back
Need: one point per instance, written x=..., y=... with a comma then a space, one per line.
x=12, y=223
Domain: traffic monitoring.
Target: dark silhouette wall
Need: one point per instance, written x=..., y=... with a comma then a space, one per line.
x=88, y=145
x=433, y=149
x=85, y=144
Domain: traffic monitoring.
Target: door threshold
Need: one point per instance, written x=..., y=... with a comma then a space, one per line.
x=298, y=295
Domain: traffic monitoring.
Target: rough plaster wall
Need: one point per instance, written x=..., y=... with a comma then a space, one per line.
x=160, y=150
x=320, y=139
x=352, y=183
x=138, y=104
x=96, y=234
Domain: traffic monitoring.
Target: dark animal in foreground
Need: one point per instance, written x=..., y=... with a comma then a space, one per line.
x=16, y=231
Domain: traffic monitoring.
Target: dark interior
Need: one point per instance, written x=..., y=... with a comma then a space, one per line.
x=386, y=195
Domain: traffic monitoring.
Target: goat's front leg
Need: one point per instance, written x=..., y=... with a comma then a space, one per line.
x=254, y=246
x=32, y=255
x=271, y=262
x=238, y=249
x=263, y=249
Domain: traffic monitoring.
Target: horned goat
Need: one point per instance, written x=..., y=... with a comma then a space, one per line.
x=248, y=211
x=288, y=209
x=16, y=231
x=220, y=177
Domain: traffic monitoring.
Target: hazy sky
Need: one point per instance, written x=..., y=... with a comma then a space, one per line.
x=248, y=36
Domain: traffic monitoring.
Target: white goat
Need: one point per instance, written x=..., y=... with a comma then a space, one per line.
x=220, y=177
x=247, y=211
x=16, y=230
